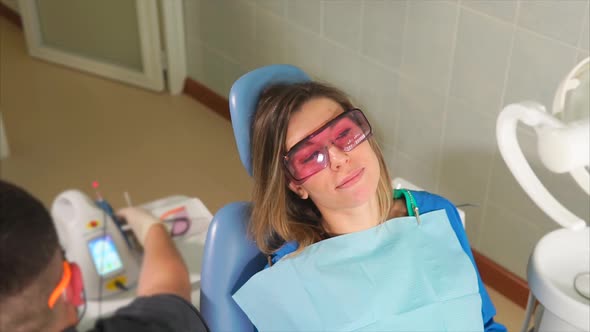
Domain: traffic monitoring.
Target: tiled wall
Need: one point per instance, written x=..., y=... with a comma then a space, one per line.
x=432, y=76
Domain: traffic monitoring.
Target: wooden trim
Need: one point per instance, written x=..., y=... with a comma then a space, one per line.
x=10, y=15
x=207, y=97
x=499, y=278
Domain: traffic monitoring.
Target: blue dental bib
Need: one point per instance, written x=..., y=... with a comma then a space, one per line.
x=398, y=276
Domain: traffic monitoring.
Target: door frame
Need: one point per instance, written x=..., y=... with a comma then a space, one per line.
x=174, y=44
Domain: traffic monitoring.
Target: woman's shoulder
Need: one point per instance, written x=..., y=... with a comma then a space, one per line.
x=428, y=201
x=284, y=250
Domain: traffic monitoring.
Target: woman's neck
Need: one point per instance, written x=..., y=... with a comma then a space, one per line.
x=350, y=220
x=359, y=218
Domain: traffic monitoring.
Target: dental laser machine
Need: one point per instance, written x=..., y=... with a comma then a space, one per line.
x=109, y=255
x=90, y=236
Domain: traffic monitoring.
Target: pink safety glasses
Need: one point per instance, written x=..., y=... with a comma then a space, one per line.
x=310, y=155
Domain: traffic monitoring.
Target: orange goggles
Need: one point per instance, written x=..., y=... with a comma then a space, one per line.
x=70, y=284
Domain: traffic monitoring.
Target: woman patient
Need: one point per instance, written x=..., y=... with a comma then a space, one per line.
x=345, y=250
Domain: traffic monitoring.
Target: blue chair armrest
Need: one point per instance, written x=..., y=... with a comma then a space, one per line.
x=230, y=259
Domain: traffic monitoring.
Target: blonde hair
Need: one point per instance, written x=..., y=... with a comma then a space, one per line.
x=278, y=214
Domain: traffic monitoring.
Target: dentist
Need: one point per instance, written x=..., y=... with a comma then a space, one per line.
x=40, y=290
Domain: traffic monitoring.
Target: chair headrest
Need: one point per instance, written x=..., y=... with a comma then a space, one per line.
x=243, y=98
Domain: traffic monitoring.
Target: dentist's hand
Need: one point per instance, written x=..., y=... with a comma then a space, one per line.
x=162, y=270
x=140, y=221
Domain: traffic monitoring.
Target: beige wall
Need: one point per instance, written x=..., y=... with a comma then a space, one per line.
x=432, y=75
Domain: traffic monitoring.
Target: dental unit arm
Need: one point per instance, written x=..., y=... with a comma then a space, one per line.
x=562, y=148
x=558, y=270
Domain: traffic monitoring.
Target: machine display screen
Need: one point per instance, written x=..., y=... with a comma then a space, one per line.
x=104, y=255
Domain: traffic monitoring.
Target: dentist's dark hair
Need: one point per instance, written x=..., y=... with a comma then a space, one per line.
x=28, y=244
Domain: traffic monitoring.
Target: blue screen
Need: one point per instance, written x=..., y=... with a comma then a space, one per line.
x=104, y=255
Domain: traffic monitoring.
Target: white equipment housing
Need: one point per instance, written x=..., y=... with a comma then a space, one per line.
x=92, y=240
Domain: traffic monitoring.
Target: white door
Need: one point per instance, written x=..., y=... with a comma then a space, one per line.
x=117, y=39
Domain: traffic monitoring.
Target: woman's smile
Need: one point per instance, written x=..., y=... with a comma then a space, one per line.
x=351, y=179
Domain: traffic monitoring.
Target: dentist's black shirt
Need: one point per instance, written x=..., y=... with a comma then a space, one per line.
x=165, y=313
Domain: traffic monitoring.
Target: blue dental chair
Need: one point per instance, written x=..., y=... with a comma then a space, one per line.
x=231, y=257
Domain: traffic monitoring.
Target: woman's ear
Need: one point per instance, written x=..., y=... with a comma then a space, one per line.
x=298, y=190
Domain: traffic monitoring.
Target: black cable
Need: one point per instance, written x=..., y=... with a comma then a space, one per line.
x=104, y=232
x=81, y=316
x=467, y=205
x=120, y=285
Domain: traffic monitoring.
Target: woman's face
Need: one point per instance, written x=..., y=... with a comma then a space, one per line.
x=351, y=178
